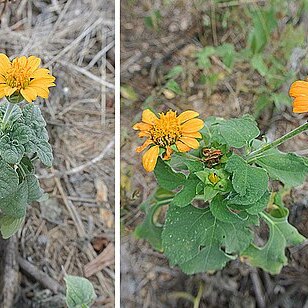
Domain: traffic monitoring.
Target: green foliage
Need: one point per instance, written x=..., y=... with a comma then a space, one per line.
x=152, y=21
x=79, y=292
x=239, y=132
x=271, y=257
x=23, y=139
x=214, y=210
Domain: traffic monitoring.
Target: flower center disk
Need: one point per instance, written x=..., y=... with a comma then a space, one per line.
x=166, y=130
x=18, y=75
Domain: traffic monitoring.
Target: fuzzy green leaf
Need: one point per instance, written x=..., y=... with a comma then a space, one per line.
x=239, y=132
x=8, y=179
x=249, y=182
x=32, y=116
x=10, y=225
x=271, y=257
x=11, y=151
x=194, y=239
x=21, y=133
x=148, y=230
x=288, y=168
x=220, y=209
x=79, y=292
x=44, y=152
x=166, y=177
x=34, y=190
x=15, y=204
x=188, y=193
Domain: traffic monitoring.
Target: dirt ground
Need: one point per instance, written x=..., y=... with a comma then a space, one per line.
x=73, y=231
x=146, y=56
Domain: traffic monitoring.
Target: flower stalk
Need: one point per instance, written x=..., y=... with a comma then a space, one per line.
x=257, y=153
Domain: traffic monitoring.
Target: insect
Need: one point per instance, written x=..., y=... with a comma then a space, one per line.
x=211, y=156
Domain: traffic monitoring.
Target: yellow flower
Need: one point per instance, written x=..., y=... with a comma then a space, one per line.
x=299, y=91
x=167, y=130
x=23, y=78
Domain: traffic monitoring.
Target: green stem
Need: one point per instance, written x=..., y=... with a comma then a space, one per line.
x=253, y=155
x=265, y=216
x=199, y=296
x=7, y=114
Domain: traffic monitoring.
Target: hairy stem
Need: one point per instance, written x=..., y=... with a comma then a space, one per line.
x=255, y=154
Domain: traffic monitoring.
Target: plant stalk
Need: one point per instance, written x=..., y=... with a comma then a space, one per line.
x=253, y=155
x=7, y=114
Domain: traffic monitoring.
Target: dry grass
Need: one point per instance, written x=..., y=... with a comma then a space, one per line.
x=75, y=40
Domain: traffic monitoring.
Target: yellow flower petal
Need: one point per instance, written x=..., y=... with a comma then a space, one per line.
x=187, y=115
x=144, y=133
x=182, y=147
x=5, y=64
x=2, y=80
x=142, y=126
x=148, y=116
x=9, y=91
x=300, y=104
x=41, y=73
x=34, y=63
x=145, y=144
x=21, y=60
x=299, y=88
x=192, y=126
x=149, y=159
x=191, y=142
x=42, y=92
x=193, y=135
x=28, y=94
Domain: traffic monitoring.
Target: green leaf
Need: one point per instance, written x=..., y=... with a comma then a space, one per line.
x=166, y=177
x=11, y=151
x=33, y=116
x=173, y=86
x=221, y=210
x=34, y=190
x=188, y=193
x=44, y=152
x=195, y=240
x=249, y=182
x=8, y=179
x=148, y=230
x=288, y=168
x=21, y=133
x=271, y=257
x=27, y=164
x=175, y=72
x=239, y=132
x=227, y=53
x=15, y=203
x=258, y=64
x=10, y=225
x=203, y=60
x=255, y=207
x=79, y=292
x=129, y=93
